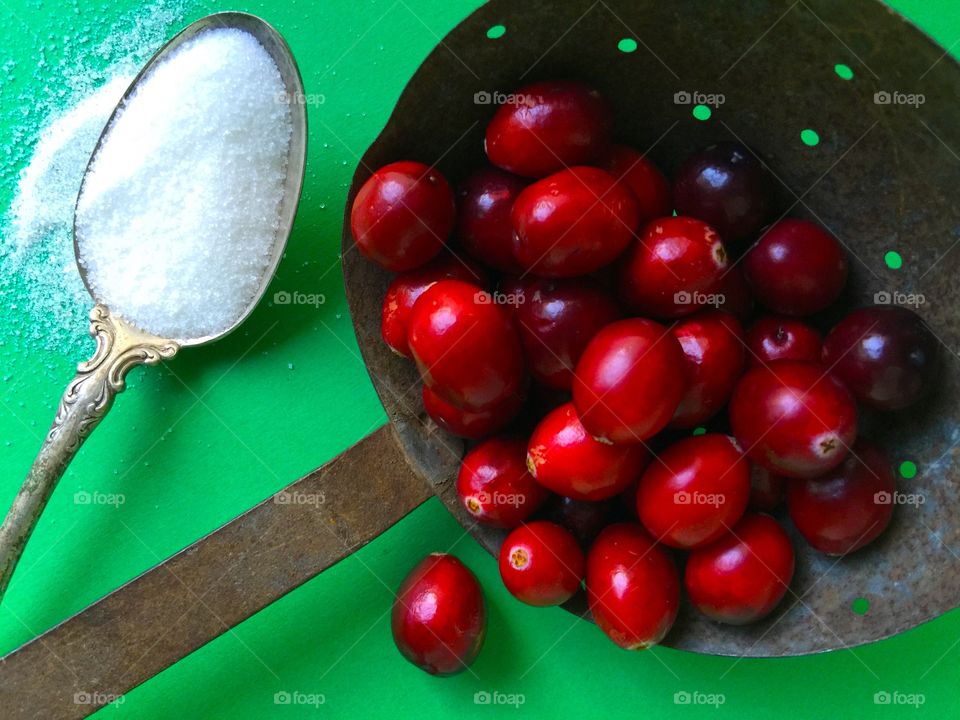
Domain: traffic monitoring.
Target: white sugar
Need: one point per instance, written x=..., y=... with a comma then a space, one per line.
x=179, y=213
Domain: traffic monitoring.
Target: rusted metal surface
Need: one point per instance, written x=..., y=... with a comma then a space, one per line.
x=216, y=583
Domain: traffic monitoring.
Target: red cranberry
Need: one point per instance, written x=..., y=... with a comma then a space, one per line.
x=886, y=355
x=793, y=418
x=572, y=222
x=767, y=491
x=629, y=381
x=779, y=338
x=726, y=186
x=548, y=126
x=743, y=576
x=632, y=587
x=668, y=272
x=847, y=508
x=584, y=519
x=650, y=187
x=712, y=343
x=694, y=492
x=472, y=424
x=402, y=215
x=465, y=346
x=564, y=458
x=483, y=226
x=556, y=319
x=796, y=268
x=541, y=564
x=494, y=486
x=439, y=619
x=407, y=287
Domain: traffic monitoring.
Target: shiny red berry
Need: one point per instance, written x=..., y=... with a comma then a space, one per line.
x=465, y=346
x=494, y=486
x=546, y=126
x=402, y=215
x=886, y=355
x=767, y=490
x=564, y=458
x=541, y=564
x=483, y=225
x=847, y=508
x=632, y=587
x=713, y=348
x=796, y=268
x=649, y=186
x=407, y=287
x=472, y=424
x=556, y=319
x=694, y=491
x=743, y=576
x=793, y=418
x=672, y=268
x=572, y=222
x=629, y=381
x=439, y=620
x=782, y=338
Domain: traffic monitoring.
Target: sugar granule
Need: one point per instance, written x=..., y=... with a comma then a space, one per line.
x=179, y=213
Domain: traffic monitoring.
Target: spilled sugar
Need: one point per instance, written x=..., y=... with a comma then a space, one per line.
x=178, y=215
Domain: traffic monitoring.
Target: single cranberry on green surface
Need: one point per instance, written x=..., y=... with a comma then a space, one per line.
x=541, y=563
x=494, y=485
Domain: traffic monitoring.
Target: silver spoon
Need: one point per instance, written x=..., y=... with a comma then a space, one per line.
x=121, y=345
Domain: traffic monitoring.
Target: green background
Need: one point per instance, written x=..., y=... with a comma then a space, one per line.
x=194, y=443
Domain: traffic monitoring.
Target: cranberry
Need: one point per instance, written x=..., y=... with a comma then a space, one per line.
x=548, y=126
x=779, y=338
x=668, y=272
x=726, y=186
x=541, y=564
x=584, y=519
x=796, y=268
x=650, y=187
x=572, y=222
x=632, y=587
x=793, y=418
x=743, y=576
x=712, y=343
x=694, y=492
x=767, y=491
x=483, y=226
x=439, y=619
x=556, y=319
x=472, y=424
x=402, y=215
x=886, y=355
x=407, y=287
x=848, y=507
x=494, y=486
x=629, y=381
x=465, y=346
x=564, y=458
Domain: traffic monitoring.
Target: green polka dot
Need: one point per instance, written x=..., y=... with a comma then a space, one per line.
x=860, y=606
x=908, y=469
x=809, y=137
x=702, y=112
x=843, y=71
x=699, y=431
x=627, y=45
x=893, y=260
x=497, y=31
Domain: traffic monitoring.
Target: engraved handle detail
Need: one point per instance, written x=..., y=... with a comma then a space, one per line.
x=88, y=397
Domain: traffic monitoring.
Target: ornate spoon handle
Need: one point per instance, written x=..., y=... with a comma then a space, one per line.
x=88, y=397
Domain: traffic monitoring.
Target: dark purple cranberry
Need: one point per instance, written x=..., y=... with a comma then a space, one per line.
x=483, y=225
x=584, y=519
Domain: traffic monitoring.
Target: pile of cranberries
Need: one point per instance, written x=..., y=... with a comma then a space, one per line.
x=577, y=315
